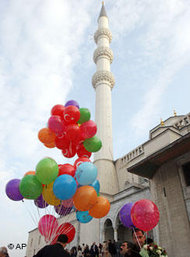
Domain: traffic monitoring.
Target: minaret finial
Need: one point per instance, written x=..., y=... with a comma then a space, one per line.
x=102, y=2
x=161, y=122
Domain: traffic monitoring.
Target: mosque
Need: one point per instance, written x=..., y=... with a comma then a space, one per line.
x=158, y=169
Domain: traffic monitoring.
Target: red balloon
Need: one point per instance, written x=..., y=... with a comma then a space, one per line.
x=58, y=110
x=66, y=169
x=70, y=151
x=71, y=114
x=145, y=214
x=62, y=142
x=67, y=229
x=48, y=226
x=82, y=152
x=88, y=129
x=56, y=125
x=72, y=132
x=80, y=160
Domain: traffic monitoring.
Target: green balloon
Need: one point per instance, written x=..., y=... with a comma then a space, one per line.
x=30, y=187
x=92, y=144
x=47, y=171
x=84, y=115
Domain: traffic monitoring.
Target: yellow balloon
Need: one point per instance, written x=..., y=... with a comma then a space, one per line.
x=49, y=196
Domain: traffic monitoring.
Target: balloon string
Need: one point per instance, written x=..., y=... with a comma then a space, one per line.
x=43, y=227
x=64, y=213
x=29, y=213
x=32, y=213
x=137, y=238
x=51, y=227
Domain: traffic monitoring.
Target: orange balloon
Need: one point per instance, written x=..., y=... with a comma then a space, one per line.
x=50, y=145
x=49, y=196
x=84, y=198
x=46, y=136
x=29, y=173
x=101, y=208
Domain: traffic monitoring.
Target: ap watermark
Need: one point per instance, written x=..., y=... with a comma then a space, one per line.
x=17, y=246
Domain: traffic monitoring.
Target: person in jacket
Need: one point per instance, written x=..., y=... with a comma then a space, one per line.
x=56, y=249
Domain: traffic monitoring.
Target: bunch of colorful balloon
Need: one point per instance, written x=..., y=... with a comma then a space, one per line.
x=143, y=214
x=68, y=188
x=71, y=130
x=64, y=187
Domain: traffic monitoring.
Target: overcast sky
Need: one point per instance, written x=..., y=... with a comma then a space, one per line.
x=46, y=50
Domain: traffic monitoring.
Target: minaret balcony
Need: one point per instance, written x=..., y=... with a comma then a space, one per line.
x=100, y=77
x=103, y=32
x=103, y=52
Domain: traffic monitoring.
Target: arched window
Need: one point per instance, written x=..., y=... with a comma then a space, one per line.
x=108, y=230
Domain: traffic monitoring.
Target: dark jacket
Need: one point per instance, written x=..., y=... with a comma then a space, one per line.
x=52, y=251
x=112, y=248
x=94, y=250
x=134, y=252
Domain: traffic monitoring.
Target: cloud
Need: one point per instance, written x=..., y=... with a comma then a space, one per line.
x=40, y=46
x=39, y=50
x=160, y=50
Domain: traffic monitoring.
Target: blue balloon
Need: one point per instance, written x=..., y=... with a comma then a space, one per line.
x=64, y=187
x=86, y=173
x=96, y=186
x=83, y=216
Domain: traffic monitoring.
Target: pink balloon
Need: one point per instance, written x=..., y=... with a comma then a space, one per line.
x=145, y=214
x=47, y=226
x=56, y=125
x=88, y=129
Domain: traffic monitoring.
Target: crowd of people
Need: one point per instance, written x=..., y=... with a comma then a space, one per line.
x=107, y=249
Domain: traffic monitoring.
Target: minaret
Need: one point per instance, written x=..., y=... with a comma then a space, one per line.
x=103, y=82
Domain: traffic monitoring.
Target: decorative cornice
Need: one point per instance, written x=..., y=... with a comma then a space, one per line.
x=103, y=76
x=102, y=32
x=103, y=51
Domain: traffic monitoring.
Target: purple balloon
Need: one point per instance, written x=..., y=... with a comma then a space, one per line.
x=62, y=211
x=72, y=102
x=40, y=202
x=125, y=215
x=12, y=190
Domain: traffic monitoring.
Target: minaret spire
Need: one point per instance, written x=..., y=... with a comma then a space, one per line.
x=103, y=11
x=103, y=82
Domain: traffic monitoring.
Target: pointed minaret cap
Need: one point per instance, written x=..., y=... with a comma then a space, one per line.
x=103, y=11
